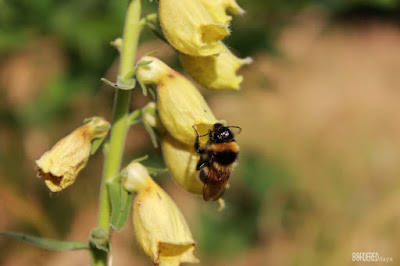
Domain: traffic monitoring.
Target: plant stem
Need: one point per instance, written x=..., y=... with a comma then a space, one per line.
x=120, y=124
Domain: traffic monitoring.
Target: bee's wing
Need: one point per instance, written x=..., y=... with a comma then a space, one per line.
x=215, y=185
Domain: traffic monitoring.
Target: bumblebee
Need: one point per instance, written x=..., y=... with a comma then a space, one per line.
x=217, y=159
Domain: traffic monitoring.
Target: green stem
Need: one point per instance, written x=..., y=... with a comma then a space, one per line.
x=120, y=125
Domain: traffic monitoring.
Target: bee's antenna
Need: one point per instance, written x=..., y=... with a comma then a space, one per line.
x=240, y=129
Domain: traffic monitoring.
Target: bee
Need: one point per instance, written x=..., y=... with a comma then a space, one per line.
x=217, y=159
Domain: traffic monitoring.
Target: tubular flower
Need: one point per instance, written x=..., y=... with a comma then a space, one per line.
x=190, y=28
x=60, y=166
x=180, y=105
x=160, y=227
x=181, y=161
x=215, y=72
x=219, y=9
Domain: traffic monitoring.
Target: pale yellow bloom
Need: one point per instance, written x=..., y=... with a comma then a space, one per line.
x=190, y=28
x=215, y=72
x=219, y=9
x=180, y=105
x=160, y=227
x=60, y=166
x=181, y=161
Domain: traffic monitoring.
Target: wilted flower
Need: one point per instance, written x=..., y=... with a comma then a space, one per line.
x=180, y=105
x=219, y=9
x=190, y=28
x=60, y=166
x=215, y=72
x=181, y=161
x=160, y=227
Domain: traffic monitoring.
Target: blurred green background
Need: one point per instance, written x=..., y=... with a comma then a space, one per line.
x=318, y=176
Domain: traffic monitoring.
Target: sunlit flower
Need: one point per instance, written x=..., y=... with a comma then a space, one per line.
x=219, y=9
x=60, y=166
x=215, y=72
x=181, y=161
x=190, y=28
x=180, y=105
x=160, y=227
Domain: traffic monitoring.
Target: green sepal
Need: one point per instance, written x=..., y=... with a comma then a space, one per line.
x=153, y=170
x=100, y=238
x=48, y=243
x=135, y=117
x=121, y=201
x=140, y=159
x=96, y=143
x=144, y=89
x=152, y=134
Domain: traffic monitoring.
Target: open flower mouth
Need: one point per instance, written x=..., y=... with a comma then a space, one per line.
x=55, y=180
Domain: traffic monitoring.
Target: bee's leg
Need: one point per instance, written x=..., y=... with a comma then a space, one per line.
x=197, y=147
x=210, y=136
x=202, y=162
x=203, y=175
x=197, y=142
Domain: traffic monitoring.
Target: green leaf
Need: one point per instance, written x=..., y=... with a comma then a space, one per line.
x=100, y=238
x=96, y=143
x=48, y=243
x=121, y=201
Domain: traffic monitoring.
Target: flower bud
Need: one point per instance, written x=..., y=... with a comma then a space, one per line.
x=215, y=72
x=160, y=227
x=60, y=166
x=190, y=28
x=150, y=115
x=181, y=161
x=219, y=9
x=180, y=105
x=134, y=177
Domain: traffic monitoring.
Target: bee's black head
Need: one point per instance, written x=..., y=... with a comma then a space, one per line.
x=221, y=134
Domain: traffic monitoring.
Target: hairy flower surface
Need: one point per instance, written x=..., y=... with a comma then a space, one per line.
x=181, y=161
x=160, y=227
x=190, y=28
x=215, y=72
x=180, y=105
x=219, y=9
x=60, y=166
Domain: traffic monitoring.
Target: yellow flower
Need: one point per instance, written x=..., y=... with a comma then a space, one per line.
x=219, y=9
x=160, y=227
x=181, y=161
x=180, y=105
x=215, y=72
x=60, y=166
x=190, y=28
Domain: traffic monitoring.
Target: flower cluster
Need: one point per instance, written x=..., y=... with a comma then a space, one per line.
x=195, y=29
